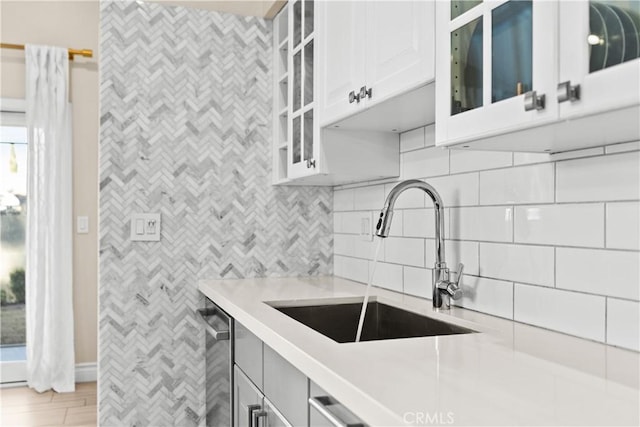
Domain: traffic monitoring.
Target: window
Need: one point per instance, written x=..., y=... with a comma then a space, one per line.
x=13, y=224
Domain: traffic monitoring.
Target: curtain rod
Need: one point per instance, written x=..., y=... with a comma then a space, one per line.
x=88, y=53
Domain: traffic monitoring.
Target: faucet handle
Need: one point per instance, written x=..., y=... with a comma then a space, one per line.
x=453, y=288
x=454, y=291
x=459, y=273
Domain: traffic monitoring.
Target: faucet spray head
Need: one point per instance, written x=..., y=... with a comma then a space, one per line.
x=384, y=222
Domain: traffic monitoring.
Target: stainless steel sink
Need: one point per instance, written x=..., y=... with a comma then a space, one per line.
x=382, y=322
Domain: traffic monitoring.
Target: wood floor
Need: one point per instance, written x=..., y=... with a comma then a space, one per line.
x=21, y=406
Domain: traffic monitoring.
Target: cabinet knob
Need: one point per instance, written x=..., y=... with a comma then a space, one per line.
x=353, y=97
x=568, y=92
x=533, y=101
x=311, y=163
x=365, y=93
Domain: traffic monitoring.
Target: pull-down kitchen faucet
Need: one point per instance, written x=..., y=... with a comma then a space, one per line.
x=443, y=288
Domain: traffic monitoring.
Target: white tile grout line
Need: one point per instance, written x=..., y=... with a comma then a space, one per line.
x=555, y=183
x=478, y=258
x=505, y=242
x=479, y=187
x=513, y=300
x=555, y=267
x=513, y=223
x=512, y=166
x=519, y=204
x=606, y=319
x=537, y=285
x=605, y=224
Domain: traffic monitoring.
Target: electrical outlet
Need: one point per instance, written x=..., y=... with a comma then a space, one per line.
x=145, y=227
x=366, y=230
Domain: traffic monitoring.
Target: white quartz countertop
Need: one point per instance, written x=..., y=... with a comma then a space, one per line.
x=507, y=374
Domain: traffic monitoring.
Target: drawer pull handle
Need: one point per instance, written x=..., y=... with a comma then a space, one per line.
x=221, y=335
x=255, y=413
x=322, y=404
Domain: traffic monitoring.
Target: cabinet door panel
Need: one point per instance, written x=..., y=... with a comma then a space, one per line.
x=285, y=387
x=274, y=417
x=606, y=82
x=342, y=59
x=245, y=394
x=468, y=105
x=248, y=353
x=400, y=46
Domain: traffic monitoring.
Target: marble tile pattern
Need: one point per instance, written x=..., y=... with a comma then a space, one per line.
x=185, y=104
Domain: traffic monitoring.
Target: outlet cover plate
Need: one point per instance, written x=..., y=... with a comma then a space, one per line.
x=145, y=227
x=366, y=226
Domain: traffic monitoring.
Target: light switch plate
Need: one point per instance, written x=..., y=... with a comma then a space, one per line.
x=145, y=227
x=366, y=228
x=82, y=225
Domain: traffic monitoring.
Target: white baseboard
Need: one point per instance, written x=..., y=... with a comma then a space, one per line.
x=14, y=385
x=86, y=372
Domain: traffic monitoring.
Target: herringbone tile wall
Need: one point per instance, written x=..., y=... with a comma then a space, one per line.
x=185, y=99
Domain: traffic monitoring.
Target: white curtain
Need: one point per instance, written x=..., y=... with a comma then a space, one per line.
x=49, y=292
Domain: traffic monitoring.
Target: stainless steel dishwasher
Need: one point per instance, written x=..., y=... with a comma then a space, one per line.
x=219, y=365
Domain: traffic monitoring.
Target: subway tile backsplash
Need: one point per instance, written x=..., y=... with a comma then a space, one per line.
x=432, y=161
x=597, y=271
x=574, y=313
x=561, y=224
x=488, y=223
x=520, y=263
x=617, y=178
x=525, y=184
x=412, y=140
x=623, y=229
x=548, y=240
x=623, y=323
x=465, y=161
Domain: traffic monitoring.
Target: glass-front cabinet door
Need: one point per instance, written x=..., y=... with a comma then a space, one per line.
x=496, y=67
x=303, y=130
x=599, y=56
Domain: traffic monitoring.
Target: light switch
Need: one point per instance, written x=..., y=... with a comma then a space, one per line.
x=366, y=232
x=82, y=225
x=145, y=227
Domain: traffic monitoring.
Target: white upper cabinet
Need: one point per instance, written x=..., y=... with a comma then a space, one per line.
x=373, y=50
x=303, y=144
x=496, y=67
x=599, y=51
x=303, y=153
x=342, y=55
x=545, y=76
x=399, y=46
x=296, y=133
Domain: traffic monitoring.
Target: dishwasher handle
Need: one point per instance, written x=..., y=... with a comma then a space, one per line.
x=219, y=335
x=323, y=405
